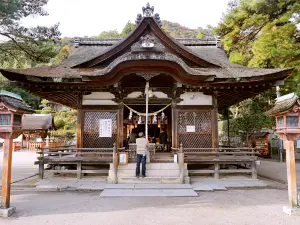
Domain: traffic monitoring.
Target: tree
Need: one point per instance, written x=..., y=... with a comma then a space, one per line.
x=128, y=28
x=264, y=34
x=37, y=43
x=200, y=35
x=109, y=34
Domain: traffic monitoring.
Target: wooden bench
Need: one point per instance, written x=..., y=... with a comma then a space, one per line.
x=74, y=156
x=221, y=156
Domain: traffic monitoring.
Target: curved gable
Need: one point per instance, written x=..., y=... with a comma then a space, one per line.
x=146, y=26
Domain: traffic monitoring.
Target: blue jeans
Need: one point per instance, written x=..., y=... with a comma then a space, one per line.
x=139, y=158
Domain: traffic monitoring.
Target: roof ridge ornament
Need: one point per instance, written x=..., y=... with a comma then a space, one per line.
x=148, y=12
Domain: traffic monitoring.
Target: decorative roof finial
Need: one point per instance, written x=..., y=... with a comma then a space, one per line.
x=148, y=11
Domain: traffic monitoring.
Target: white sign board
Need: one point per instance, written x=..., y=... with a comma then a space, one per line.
x=190, y=129
x=298, y=144
x=105, y=128
x=122, y=158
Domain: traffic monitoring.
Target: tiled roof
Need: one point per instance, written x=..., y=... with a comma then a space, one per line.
x=10, y=94
x=15, y=104
x=283, y=104
x=37, y=122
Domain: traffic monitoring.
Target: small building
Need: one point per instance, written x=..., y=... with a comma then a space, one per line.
x=288, y=104
x=260, y=140
x=36, y=126
x=12, y=104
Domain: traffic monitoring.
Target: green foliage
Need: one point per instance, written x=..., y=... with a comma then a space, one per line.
x=36, y=44
x=248, y=116
x=109, y=34
x=264, y=34
x=178, y=31
x=200, y=35
x=115, y=34
x=65, y=122
x=59, y=123
x=127, y=29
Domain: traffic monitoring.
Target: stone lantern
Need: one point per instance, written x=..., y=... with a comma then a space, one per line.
x=11, y=111
x=287, y=114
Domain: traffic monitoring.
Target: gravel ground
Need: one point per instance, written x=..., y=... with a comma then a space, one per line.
x=232, y=207
x=22, y=165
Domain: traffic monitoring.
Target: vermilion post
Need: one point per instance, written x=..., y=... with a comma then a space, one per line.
x=6, y=172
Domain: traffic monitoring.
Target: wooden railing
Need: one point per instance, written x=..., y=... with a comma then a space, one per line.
x=33, y=146
x=77, y=156
x=218, y=156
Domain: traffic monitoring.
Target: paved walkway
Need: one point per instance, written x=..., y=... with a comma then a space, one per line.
x=166, y=190
x=276, y=171
x=22, y=165
x=233, y=207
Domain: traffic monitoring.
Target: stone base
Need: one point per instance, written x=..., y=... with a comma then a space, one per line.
x=187, y=180
x=7, y=212
x=291, y=211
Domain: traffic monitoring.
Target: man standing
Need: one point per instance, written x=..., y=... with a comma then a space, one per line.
x=141, y=150
x=163, y=139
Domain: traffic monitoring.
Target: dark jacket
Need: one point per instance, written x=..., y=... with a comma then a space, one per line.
x=163, y=138
x=132, y=138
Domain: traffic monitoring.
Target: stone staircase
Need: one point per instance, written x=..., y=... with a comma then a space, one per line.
x=156, y=173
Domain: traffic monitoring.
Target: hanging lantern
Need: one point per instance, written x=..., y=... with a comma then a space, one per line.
x=140, y=120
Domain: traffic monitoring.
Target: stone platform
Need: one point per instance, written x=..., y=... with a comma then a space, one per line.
x=148, y=190
x=197, y=184
x=156, y=173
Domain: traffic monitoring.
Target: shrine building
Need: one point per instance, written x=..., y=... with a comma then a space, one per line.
x=189, y=81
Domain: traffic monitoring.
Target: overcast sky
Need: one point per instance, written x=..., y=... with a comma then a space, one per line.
x=91, y=17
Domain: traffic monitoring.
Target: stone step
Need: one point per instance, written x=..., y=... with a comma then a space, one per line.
x=148, y=193
x=149, y=173
x=151, y=166
x=149, y=180
x=148, y=186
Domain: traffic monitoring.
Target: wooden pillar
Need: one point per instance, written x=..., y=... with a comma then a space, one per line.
x=291, y=173
x=174, y=126
x=120, y=136
x=115, y=165
x=6, y=172
x=181, y=163
x=214, y=123
x=80, y=121
x=79, y=128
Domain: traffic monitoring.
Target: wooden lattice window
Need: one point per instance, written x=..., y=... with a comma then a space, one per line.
x=91, y=137
x=292, y=121
x=5, y=119
x=280, y=121
x=195, y=129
